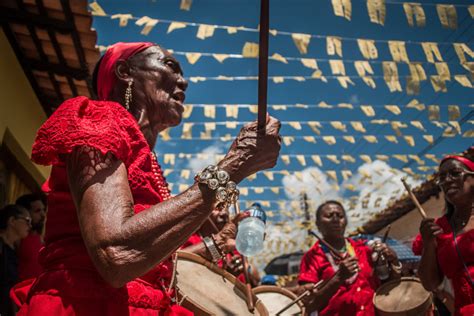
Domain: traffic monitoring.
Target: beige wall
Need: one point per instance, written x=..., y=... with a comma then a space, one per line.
x=20, y=110
x=406, y=227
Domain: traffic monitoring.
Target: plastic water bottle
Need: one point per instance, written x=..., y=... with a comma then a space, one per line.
x=249, y=240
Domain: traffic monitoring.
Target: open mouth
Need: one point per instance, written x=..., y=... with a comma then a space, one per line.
x=179, y=96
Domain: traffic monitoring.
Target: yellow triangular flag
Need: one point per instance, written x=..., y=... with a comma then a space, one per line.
x=463, y=81
x=394, y=109
x=366, y=158
x=417, y=10
x=185, y=173
x=301, y=160
x=310, y=139
x=431, y=51
x=309, y=63
x=342, y=8
x=232, y=111
x=358, y=126
x=175, y=26
x=187, y=130
x=429, y=138
x=123, y=18
x=454, y=112
x=447, y=15
x=348, y=158
x=332, y=174
x=169, y=159
x=339, y=126
x=315, y=126
x=414, y=104
x=301, y=41
x=97, y=9
x=250, y=50
x=186, y=5
x=333, y=158
x=165, y=135
x=418, y=125
x=349, y=139
x=391, y=139
x=402, y=158
x=220, y=57
x=410, y=140
x=279, y=57
x=210, y=111
x=370, y=138
x=376, y=9
x=205, y=31
x=193, y=57
x=368, y=110
x=148, y=23
x=367, y=48
x=317, y=160
x=330, y=140
x=398, y=51
x=334, y=46
x=285, y=159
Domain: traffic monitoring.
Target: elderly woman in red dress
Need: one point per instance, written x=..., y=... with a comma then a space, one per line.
x=446, y=244
x=349, y=284
x=112, y=224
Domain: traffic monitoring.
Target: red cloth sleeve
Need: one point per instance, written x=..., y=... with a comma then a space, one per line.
x=104, y=125
x=309, y=267
x=417, y=245
x=193, y=240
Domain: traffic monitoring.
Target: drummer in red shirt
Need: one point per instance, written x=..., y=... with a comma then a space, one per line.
x=446, y=244
x=349, y=284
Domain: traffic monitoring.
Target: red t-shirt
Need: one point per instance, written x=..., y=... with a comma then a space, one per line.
x=351, y=299
x=28, y=255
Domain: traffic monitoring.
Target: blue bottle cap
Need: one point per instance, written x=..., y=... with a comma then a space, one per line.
x=256, y=211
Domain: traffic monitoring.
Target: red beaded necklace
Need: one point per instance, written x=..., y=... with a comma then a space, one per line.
x=160, y=181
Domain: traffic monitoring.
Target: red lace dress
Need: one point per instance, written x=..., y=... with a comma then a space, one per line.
x=451, y=265
x=70, y=284
x=350, y=299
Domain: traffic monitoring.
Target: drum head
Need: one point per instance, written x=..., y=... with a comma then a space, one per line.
x=276, y=298
x=402, y=297
x=206, y=289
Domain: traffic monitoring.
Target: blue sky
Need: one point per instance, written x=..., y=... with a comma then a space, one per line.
x=316, y=18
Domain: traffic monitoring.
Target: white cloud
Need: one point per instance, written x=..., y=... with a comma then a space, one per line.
x=198, y=163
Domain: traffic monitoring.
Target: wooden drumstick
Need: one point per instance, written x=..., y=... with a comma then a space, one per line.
x=249, y=302
x=385, y=236
x=331, y=248
x=414, y=199
x=299, y=298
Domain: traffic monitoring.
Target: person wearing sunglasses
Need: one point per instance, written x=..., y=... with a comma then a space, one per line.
x=15, y=224
x=445, y=244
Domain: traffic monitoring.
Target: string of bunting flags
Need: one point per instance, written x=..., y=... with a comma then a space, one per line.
x=414, y=12
x=429, y=162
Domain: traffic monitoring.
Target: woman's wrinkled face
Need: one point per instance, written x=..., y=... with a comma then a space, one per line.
x=158, y=90
x=456, y=182
x=332, y=221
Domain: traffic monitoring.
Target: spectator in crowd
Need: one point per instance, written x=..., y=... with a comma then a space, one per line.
x=28, y=251
x=15, y=224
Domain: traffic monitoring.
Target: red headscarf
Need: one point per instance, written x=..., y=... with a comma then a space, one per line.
x=106, y=78
x=468, y=163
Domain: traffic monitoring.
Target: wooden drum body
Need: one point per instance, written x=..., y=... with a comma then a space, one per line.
x=276, y=298
x=404, y=297
x=205, y=289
